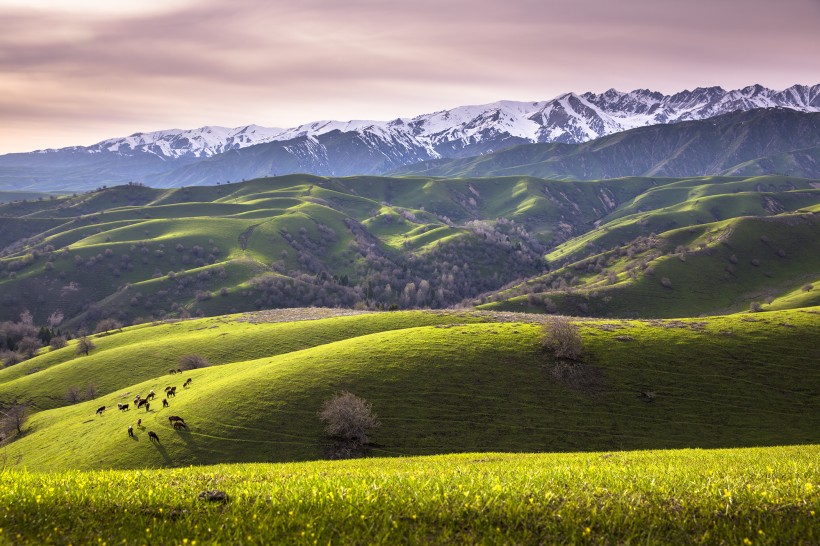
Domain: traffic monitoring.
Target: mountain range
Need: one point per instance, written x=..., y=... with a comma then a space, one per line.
x=208, y=155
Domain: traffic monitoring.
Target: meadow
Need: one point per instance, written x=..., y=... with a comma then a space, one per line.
x=735, y=496
x=440, y=382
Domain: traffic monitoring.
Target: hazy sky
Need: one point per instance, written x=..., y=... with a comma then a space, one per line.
x=79, y=71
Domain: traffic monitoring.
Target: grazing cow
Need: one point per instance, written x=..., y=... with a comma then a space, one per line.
x=100, y=410
x=147, y=406
x=130, y=431
x=172, y=371
x=139, y=422
x=153, y=436
x=180, y=425
x=164, y=402
x=179, y=370
x=142, y=402
x=187, y=382
x=171, y=392
x=137, y=399
x=176, y=418
x=122, y=407
x=151, y=395
x=168, y=388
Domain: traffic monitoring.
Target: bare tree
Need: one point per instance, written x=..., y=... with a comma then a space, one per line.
x=562, y=337
x=14, y=418
x=85, y=346
x=73, y=395
x=58, y=342
x=349, y=418
x=108, y=324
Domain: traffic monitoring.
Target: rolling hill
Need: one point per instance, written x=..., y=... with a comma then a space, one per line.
x=136, y=254
x=462, y=382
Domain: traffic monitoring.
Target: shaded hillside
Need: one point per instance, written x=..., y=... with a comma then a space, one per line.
x=721, y=267
x=763, y=141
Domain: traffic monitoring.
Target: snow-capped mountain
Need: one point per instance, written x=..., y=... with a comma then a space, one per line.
x=567, y=118
x=212, y=154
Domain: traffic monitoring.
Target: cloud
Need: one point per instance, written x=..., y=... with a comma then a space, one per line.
x=281, y=63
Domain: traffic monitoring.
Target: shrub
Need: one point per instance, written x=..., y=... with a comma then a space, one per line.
x=192, y=362
x=349, y=418
x=57, y=342
x=755, y=307
x=807, y=287
x=10, y=358
x=29, y=345
x=561, y=336
x=666, y=283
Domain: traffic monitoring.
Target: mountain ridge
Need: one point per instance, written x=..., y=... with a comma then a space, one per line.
x=375, y=147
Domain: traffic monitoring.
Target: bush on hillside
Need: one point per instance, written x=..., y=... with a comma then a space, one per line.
x=192, y=362
x=28, y=346
x=10, y=358
x=349, y=419
x=561, y=336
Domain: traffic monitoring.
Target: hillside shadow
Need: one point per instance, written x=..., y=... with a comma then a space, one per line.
x=162, y=451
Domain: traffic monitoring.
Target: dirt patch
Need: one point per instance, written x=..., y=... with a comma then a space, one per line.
x=296, y=314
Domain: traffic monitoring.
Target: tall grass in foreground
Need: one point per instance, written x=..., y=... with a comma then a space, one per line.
x=735, y=496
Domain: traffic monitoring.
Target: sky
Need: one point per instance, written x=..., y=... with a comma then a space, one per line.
x=77, y=72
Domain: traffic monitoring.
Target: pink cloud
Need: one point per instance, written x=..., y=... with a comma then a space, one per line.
x=78, y=77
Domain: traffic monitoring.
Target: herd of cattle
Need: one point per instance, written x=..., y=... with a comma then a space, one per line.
x=174, y=420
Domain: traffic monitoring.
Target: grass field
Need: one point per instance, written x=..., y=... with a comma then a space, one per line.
x=439, y=382
x=738, y=496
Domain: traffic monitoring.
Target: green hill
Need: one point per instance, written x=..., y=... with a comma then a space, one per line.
x=714, y=268
x=452, y=385
x=138, y=254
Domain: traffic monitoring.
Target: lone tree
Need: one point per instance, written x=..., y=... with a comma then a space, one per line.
x=349, y=419
x=561, y=336
x=85, y=346
x=13, y=419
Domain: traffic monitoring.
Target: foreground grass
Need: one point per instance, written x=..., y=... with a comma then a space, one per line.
x=738, y=496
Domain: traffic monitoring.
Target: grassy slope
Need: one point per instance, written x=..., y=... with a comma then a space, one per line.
x=742, y=260
x=142, y=352
x=248, y=224
x=741, y=496
x=725, y=381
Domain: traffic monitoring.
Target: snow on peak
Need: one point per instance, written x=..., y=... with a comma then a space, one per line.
x=569, y=117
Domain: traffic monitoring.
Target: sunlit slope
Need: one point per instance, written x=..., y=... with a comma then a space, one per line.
x=147, y=351
x=730, y=496
x=724, y=381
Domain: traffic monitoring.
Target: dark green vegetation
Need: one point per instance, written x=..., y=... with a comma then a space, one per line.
x=438, y=383
x=134, y=254
x=739, y=496
x=750, y=143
